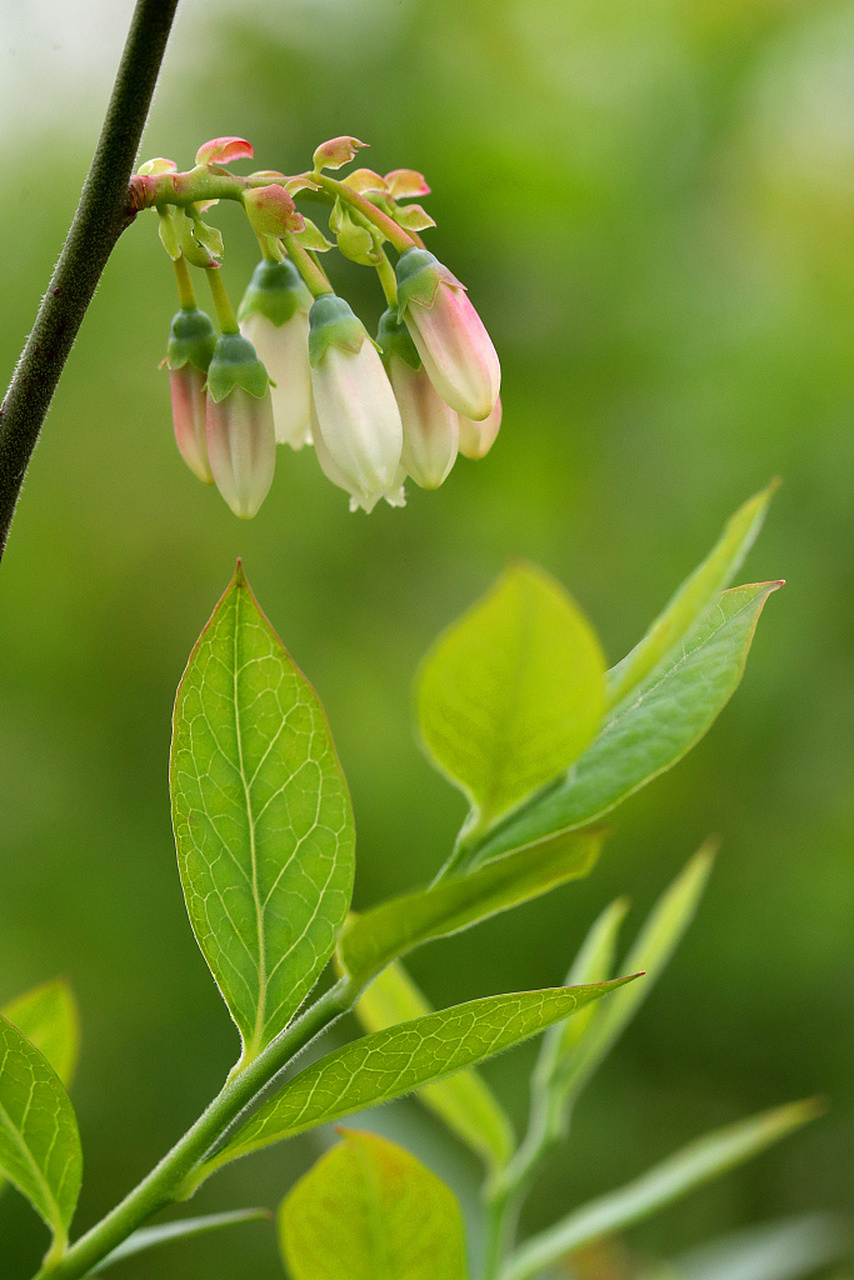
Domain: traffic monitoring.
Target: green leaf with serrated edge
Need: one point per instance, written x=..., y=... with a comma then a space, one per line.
x=166, y=1232
x=650, y=731
x=699, y=1162
x=262, y=818
x=576, y=1060
x=464, y=1101
x=512, y=693
x=47, y=1016
x=39, y=1143
x=371, y=940
x=696, y=594
x=389, y=1064
x=369, y=1210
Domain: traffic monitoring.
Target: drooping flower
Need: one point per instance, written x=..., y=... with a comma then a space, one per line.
x=448, y=333
x=477, y=438
x=430, y=425
x=240, y=436
x=358, y=420
x=273, y=316
x=191, y=345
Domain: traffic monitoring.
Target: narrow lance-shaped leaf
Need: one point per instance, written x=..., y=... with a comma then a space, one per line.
x=167, y=1232
x=702, y=1160
x=647, y=733
x=512, y=692
x=39, y=1143
x=463, y=1101
x=369, y=1210
x=577, y=1058
x=371, y=940
x=696, y=594
x=391, y=1063
x=791, y=1249
x=262, y=817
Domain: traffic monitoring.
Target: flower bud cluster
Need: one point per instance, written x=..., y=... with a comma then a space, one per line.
x=303, y=370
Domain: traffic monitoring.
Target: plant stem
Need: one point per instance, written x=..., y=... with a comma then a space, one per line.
x=397, y=237
x=186, y=292
x=102, y=215
x=385, y=271
x=163, y=1185
x=222, y=302
x=311, y=272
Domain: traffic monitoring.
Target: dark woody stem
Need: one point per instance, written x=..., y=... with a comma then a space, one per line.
x=102, y=215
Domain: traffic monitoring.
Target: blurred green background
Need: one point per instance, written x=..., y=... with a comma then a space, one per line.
x=653, y=207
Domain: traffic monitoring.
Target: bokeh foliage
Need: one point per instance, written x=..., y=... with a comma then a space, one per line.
x=652, y=207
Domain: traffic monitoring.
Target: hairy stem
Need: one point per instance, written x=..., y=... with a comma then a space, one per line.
x=102, y=215
x=164, y=1184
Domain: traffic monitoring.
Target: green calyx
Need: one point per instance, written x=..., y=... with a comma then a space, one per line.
x=419, y=274
x=192, y=340
x=333, y=324
x=393, y=339
x=235, y=364
x=276, y=291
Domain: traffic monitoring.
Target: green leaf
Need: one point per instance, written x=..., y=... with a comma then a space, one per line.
x=594, y=963
x=700, y=1161
x=390, y=1063
x=463, y=1101
x=371, y=940
x=577, y=1058
x=647, y=733
x=166, y=1232
x=512, y=693
x=785, y=1250
x=262, y=818
x=39, y=1143
x=696, y=594
x=369, y=1210
x=47, y=1016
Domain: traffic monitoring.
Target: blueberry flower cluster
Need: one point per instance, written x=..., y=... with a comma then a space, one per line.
x=294, y=365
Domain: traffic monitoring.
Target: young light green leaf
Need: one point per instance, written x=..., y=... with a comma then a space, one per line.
x=463, y=1101
x=577, y=1058
x=512, y=693
x=786, y=1250
x=39, y=1143
x=47, y=1016
x=166, y=1232
x=390, y=1063
x=647, y=733
x=262, y=818
x=369, y=1210
x=370, y=941
x=700, y=1161
x=696, y=594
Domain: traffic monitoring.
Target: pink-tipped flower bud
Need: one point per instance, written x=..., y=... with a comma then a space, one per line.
x=449, y=334
x=240, y=435
x=430, y=430
x=477, y=438
x=191, y=344
x=358, y=420
x=273, y=316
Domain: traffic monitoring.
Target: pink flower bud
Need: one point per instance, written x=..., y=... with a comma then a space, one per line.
x=430, y=426
x=239, y=427
x=477, y=438
x=271, y=211
x=449, y=334
x=358, y=421
x=188, y=415
x=242, y=449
